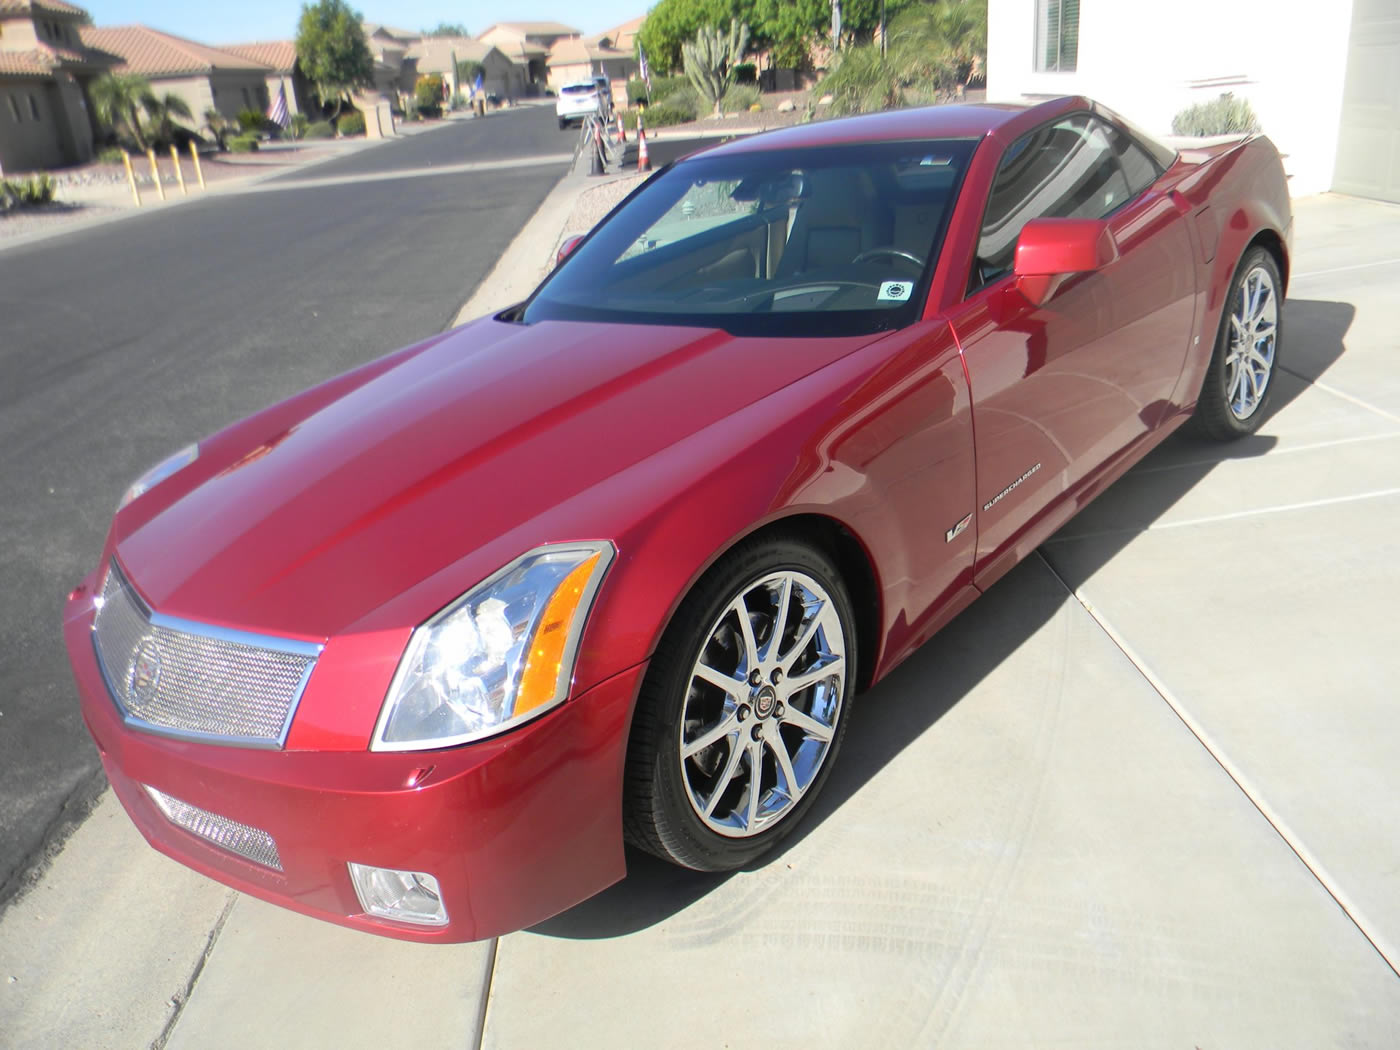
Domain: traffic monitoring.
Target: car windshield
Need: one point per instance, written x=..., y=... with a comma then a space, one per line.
x=834, y=240
x=579, y=89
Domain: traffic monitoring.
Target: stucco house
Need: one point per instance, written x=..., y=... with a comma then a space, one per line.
x=527, y=44
x=1324, y=79
x=205, y=77
x=499, y=75
x=45, y=68
x=282, y=71
x=573, y=60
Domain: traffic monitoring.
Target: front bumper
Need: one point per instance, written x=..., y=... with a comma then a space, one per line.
x=515, y=829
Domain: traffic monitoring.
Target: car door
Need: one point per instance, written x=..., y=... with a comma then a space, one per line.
x=1059, y=391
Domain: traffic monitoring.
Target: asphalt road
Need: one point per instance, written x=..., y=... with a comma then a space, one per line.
x=124, y=342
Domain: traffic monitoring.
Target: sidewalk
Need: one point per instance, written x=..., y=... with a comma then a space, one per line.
x=1142, y=794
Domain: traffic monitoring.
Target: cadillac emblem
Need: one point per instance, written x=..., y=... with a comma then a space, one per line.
x=143, y=676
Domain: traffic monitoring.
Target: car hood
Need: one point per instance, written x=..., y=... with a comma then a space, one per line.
x=312, y=519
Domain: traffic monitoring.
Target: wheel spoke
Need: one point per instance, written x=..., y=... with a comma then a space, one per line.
x=735, y=753
x=784, y=760
x=798, y=682
x=771, y=650
x=755, y=750
x=809, y=725
x=804, y=638
x=740, y=609
x=731, y=685
x=721, y=729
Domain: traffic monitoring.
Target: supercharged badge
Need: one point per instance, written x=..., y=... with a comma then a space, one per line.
x=1009, y=488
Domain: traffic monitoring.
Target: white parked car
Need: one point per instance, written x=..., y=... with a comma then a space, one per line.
x=579, y=101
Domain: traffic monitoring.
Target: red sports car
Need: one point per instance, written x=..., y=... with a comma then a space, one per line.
x=417, y=651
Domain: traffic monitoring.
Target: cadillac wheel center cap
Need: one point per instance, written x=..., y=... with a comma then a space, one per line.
x=143, y=677
x=764, y=701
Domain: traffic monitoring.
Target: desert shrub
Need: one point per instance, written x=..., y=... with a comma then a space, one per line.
x=110, y=155
x=297, y=124
x=663, y=86
x=1225, y=115
x=664, y=114
x=427, y=92
x=320, y=129
x=629, y=119
x=243, y=143
x=36, y=189
x=746, y=73
x=351, y=123
x=636, y=91
x=739, y=98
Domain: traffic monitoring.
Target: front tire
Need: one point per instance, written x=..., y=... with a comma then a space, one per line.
x=1239, y=380
x=743, y=708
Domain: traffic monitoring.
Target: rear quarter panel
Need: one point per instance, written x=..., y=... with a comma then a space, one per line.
x=1235, y=198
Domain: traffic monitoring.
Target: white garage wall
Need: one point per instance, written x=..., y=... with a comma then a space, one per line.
x=1147, y=59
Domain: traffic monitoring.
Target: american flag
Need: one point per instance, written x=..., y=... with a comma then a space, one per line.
x=646, y=70
x=277, y=112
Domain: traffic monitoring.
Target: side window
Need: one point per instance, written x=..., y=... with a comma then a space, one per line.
x=1064, y=170
x=1138, y=167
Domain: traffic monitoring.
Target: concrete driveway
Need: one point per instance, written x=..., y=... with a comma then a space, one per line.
x=1145, y=793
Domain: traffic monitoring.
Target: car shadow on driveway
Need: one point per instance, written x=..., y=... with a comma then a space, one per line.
x=913, y=698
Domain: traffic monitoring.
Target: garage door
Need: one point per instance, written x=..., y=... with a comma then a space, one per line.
x=1368, y=146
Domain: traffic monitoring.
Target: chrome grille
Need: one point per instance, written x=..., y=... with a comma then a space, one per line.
x=193, y=680
x=248, y=842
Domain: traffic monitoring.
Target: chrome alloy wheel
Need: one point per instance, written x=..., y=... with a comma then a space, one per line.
x=1249, y=361
x=762, y=704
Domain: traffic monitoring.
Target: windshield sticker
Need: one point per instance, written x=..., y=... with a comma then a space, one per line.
x=896, y=290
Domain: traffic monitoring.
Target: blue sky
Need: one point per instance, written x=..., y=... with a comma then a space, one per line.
x=231, y=23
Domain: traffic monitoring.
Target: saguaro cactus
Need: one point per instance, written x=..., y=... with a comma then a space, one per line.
x=711, y=57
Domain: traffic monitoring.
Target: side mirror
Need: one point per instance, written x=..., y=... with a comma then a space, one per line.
x=566, y=249
x=1049, y=251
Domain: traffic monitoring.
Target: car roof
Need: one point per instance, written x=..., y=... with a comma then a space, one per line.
x=963, y=121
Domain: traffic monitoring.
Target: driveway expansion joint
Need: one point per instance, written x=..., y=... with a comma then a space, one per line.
x=1309, y=860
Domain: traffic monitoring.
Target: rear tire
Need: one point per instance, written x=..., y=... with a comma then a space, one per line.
x=563, y=124
x=1238, y=384
x=738, y=725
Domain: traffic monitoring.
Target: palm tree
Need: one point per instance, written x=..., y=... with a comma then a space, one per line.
x=163, y=112
x=118, y=98
x=219, y=126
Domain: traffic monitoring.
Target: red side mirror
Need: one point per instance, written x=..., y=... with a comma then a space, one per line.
x=566, y=249
x=1051, y=250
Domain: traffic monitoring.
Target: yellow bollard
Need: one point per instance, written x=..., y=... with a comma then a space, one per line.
x=179, y=175
x=155, y=173
x=131, y=177
x=198, y=171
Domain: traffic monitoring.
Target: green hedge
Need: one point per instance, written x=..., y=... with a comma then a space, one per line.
x=664, y=114
x=746, y=73
x=243, y=144
x=352, y=123
x=321, y=129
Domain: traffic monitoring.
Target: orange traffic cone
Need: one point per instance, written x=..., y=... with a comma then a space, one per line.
x=643, y=161
x=621, y=129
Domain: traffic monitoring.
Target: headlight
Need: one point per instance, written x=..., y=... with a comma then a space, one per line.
x=500, y=654
x=159, y=473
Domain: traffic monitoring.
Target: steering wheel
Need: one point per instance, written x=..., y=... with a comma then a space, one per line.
x=889, y=251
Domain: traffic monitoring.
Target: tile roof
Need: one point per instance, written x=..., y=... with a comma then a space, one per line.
x=621, y=36
x=573, y=52
x=25, y=64
x=44, y=59
x=533, y=29
x=153, y=53
x=58, y=7
x=441, y=48
x=280, y=55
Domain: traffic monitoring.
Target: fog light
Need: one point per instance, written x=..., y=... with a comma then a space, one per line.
x=407, y=896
